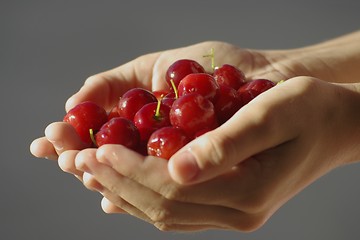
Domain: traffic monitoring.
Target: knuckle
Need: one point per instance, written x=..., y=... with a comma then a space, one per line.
x=159, y=214
x=172, y=192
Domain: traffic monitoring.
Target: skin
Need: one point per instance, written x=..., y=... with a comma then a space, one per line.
x=270, y=150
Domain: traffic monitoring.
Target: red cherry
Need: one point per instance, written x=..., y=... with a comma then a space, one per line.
x=227, y=104
x=113, y=112
x=86, y=116
x=201, y=83
x=181, y=68
x=253, y=88
x=151, y=117
x=118, y=130
x=166, y=141
x=193, y=113
x=160, y=94
x=169, y=99
x=229, y=75
x=133, y=100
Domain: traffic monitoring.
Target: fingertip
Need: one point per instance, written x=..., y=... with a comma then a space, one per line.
x=42, y=148
x=109, y=208
x=70, y=103
x=183, y=167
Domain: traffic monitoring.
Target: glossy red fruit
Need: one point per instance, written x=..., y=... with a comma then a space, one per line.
x=253, y=88
x=181, y=68
x=193, y=113
x=150, y=118
x=118, y=130
x=133, y=100
x=113, y=112
x=201, y=83
x=85, y=116
x=166, y=141
x=229, y=75
x=160, y=94
x=169, y=99
x=227, y=104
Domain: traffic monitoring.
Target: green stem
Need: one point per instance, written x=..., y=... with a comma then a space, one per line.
x=175, y=89
x=92, y=136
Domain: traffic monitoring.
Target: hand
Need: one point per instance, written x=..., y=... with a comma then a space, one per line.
x=269, y=151
x=148, y=71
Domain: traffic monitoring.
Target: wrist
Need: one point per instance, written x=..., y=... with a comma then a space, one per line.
x=335, y=60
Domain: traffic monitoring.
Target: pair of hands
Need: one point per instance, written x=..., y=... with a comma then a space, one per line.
x=234, y=177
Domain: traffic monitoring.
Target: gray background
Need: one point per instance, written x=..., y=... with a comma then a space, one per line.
x=47, y=50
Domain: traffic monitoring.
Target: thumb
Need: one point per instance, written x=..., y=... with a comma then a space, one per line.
x=253, y=129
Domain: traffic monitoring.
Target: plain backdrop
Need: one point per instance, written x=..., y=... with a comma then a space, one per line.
x=48, y=49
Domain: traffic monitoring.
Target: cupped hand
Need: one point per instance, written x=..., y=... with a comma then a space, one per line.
x=249, y=167
x=148, y=71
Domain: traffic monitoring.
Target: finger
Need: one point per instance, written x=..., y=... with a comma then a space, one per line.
x=109, y=207
x=91, y=183
x=63, y=137
x=42, y=148
x=247, y=180
x=158, y=208
x=262, y=124
x=66, y=162
x=113, y=83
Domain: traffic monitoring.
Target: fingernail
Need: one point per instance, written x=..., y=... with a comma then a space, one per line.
x=183, y=167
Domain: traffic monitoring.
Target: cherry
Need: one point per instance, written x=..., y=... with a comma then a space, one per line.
x=193, y=113
x=160, y=94
x=118, y=130
x=133, y=100
x=201, y=83
x=113, y=112
x=151, y=117
x=181, y=68
x=166, y=141
x=227, y=104
x=253, y=88
x=229, y=75
x=169, y=99
x=85, y=116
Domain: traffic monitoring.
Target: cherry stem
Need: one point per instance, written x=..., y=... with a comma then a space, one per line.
x=157, y=112
x=175, y=89
x=212, y=56
x=280, y=82
x=91, y=131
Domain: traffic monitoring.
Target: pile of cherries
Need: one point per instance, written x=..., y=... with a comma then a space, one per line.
x=159, y=123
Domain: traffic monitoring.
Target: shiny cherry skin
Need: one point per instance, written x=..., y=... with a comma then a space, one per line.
x=181, y=68
x=160, y=94
x=118, y=130
x=193, y=113
x=253, y=88
x=85, y=116
x=148, y=119
x=133, y=100
x=229, y=75
x=166, y=141
x=169, y=99
x=201, y=83
x=227, y=104
x=113, y=112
